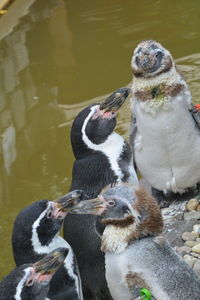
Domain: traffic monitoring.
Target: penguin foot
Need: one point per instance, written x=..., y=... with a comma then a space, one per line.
x=164, y=200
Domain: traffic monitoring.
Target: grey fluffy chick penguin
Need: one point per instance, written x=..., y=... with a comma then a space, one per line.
x=165, y=130
x=136, y=256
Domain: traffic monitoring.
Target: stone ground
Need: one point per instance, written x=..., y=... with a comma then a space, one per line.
x=182, y=230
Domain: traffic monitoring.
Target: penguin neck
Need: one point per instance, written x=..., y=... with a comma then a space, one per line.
x=161, y=88
x=112, y=147
x=44, y=243
x=170, y=77
x=116, y=239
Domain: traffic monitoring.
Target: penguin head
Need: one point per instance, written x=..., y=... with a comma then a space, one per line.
x=126, y=205
x=32, y=281
x=41, y=221
x=151, y=59
x=94, y=124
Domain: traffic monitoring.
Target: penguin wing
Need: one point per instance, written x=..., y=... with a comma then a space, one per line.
x=195, y=111
x=135, y=284
x=133, y=131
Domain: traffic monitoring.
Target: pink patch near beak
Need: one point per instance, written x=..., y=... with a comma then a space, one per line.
x=58, y=213
x=45, y=277
x=104, y=205
x=103, y=115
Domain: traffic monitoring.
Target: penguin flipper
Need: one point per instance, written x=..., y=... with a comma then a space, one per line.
x=133, y=131
x=135, y=283
x=195, y=111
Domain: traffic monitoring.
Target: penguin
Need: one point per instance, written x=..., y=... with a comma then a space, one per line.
x=165, y=132
x=102, y=157
x=137, y=256
x=36, y=233
x=31, y=281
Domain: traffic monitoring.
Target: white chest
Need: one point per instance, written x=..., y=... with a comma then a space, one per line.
x=131, y=261
x=167, y=145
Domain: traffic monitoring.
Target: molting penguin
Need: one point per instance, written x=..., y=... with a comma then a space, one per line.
x=102, y=157
x=136, y=256
x=31, y=281
x=166, y=127
x=35, y=234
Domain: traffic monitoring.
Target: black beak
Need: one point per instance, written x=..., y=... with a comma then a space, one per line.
x=115, y=100
x=93, y=206
x=146, y=62
x=68, y=201
x=51, y=262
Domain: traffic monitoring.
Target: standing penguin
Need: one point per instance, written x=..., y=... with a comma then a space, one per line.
x=166, y=125
x=36, y=233
x=102, y=158
x=31, y=281
x=136, y=256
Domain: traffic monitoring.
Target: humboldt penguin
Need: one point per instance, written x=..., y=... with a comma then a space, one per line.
x=137, y=256
x=31, y=281
x=102, y=157
x=166, y=125
x=36, y=233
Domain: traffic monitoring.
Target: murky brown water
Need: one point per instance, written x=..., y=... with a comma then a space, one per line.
x=59, y=55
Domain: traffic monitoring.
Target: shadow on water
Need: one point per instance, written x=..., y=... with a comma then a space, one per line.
x=54, y=56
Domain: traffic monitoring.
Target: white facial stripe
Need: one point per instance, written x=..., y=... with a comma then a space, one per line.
x=21, y=283
x=56, y=242
x=38, y=248
x=112, y=147
x=69, y=265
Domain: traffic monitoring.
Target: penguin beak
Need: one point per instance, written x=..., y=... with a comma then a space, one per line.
x=45, y=268
x=146, y=62
x=68, y=201
x=115, y=100
x=94, y=206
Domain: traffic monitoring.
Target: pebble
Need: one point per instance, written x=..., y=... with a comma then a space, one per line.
x=190, y=243
x=183, y=250
x=192, y=204
x=196, y=267
x=191, y=249
x=195, y=254
x=189, y=236
x=196, y=248
x=190, y=260
x=196, y=228
x=192, y=215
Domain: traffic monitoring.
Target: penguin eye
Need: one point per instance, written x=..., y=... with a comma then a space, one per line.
x=49, y=214
x=158, y=53
x=111, y=203
x=30, y=282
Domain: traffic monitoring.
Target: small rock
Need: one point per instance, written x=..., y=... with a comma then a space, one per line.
x=192, y=204
x=192, y=215
x=183, y=250
x=195, y=254
x=198, y=240
x=189, y=236
x=196, y=228
x=190, y=243
x=190, y=260
x=198, y=208
x=196, y=248
x=196, y=267
x=195, y=233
